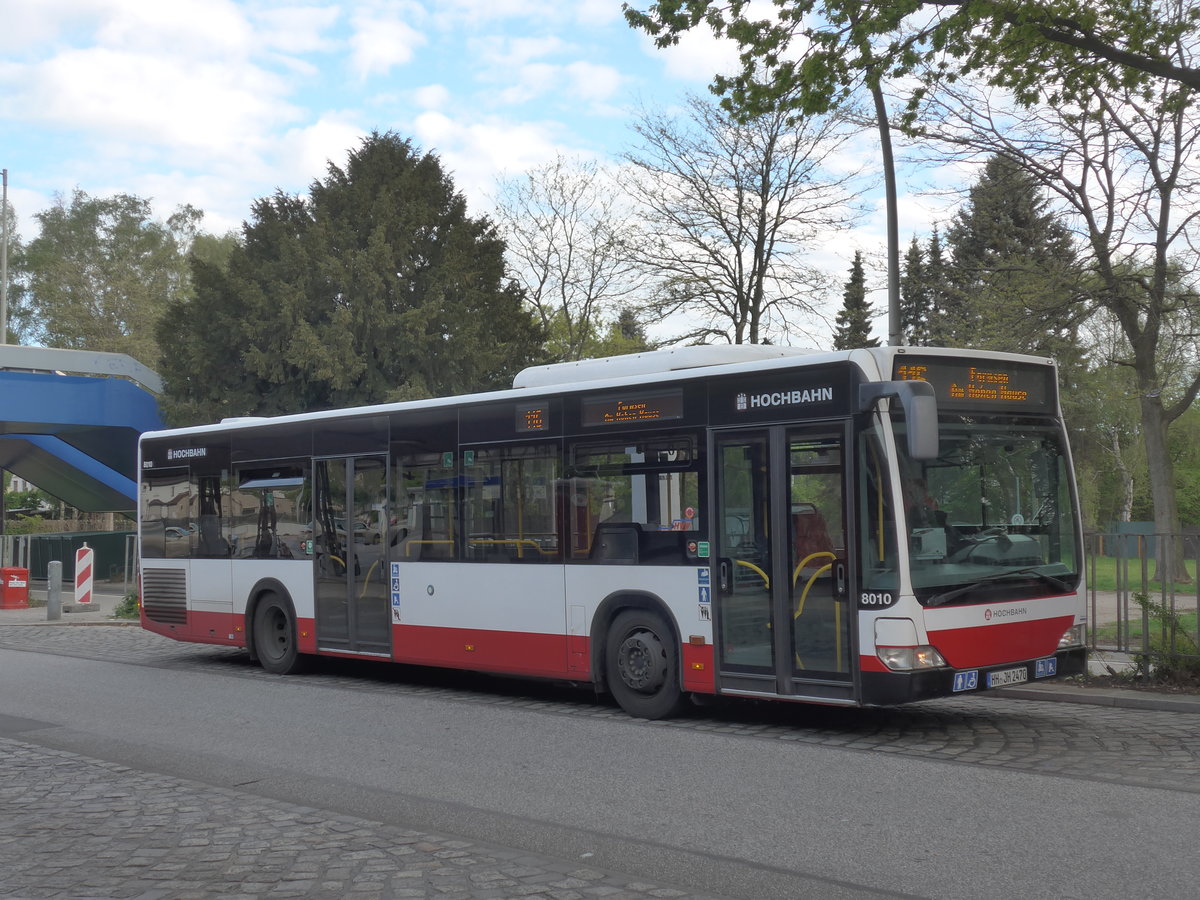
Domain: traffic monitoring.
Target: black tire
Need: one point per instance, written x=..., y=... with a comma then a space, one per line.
x=641, y=665
x=275, y=636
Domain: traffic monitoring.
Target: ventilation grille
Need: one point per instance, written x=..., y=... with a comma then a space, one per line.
x=164, y=595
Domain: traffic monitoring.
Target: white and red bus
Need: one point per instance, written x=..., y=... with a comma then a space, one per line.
x=857, y=528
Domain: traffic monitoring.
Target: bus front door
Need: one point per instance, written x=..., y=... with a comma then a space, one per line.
x=350, y=555
x=783, y=621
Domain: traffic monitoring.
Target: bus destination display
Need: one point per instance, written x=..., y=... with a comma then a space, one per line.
x=533, y=417
x=627, y=408
x=961, y=383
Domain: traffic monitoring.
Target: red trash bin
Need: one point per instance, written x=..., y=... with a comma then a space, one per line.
x=14, y=588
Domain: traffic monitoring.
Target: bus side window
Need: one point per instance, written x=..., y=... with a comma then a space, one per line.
x=424, y=522
x=166, y=500
x=651, y=486
x=510, y=504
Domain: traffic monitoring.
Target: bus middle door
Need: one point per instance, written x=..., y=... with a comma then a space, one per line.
x=350, y=555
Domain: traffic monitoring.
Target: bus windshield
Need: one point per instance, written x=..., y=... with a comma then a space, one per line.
x=992, y=516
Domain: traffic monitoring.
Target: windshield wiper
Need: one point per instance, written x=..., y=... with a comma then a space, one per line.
x=940, y=599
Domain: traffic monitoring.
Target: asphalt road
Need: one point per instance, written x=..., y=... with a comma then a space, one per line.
x=974, y=798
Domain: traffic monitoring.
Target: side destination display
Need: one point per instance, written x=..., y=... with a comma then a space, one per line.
x=1003, y=384
x=635, y=406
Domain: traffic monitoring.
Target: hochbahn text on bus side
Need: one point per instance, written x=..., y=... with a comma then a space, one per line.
x=864, y=527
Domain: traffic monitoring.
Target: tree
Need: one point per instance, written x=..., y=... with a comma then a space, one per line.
x=102, y=272
x=1012, y=275
x=729, y=208
x=378, y=286
x=1124, y=173
x=854, y=318
x=12, y=318
x=568, y=247
x=1032, y=48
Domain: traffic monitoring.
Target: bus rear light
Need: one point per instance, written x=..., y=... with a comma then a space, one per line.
x=905, y=659
x=1073, y=637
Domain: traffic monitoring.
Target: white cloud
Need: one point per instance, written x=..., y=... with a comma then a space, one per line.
x=597, y=12
x=378, y=44
x=593, y=82
x=303, y=154
x=296, y=29
x=163, y=100
x=697, y=57
x=181, y=27
x=474, y=153
x=508, y=52
x=533, y=80
x=431, y=96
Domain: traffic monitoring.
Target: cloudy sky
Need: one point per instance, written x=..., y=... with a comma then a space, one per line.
x=218, y=102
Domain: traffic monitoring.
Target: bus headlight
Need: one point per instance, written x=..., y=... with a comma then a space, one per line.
x=905, y=659
x=1073, y=637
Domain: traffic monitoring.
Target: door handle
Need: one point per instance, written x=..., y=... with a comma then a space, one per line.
x=723, y=572
x=839, y=579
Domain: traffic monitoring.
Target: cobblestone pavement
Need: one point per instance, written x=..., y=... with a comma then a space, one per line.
x=1143, y=747
x=80, y=828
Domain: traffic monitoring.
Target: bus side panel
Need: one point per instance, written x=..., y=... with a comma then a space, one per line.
x=210, y=604
x=679, y=587
x=486, y=617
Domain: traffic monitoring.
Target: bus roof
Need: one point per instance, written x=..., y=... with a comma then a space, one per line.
x=617, y=371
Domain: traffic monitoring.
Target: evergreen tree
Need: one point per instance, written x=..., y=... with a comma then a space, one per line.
x=941, y=309
x=854, y=318
x=1011, y=267
x=914, y=297
x=377, y=286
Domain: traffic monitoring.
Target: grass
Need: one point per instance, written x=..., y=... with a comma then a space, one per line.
x=1105, y=578
x=1185, y=630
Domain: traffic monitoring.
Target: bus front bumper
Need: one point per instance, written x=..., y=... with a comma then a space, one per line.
x=891, y=688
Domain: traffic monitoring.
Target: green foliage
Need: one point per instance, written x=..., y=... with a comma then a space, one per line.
x=101, y=274
x=1173, y=654
x=128, y=607
x=1011, y=276
x=854, y=318
x=1051, y=50
x=378, y=286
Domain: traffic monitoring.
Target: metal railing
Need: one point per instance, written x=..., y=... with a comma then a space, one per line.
x=1135, y=606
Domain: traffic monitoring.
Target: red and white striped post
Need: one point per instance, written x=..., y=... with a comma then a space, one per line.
x=84, y=557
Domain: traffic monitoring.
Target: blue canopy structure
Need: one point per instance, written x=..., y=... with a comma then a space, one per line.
x=75, y=436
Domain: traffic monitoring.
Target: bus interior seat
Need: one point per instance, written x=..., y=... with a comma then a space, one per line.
x=809, y=533
x=616, y=542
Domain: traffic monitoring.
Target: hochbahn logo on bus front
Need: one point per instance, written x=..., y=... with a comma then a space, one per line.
x=746, y=401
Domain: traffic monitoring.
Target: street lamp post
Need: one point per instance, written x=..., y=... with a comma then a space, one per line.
x=4, y=262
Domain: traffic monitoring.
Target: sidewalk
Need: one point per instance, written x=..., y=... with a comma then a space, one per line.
x=106, y=597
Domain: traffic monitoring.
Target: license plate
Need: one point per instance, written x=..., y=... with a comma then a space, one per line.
x=1007, y=676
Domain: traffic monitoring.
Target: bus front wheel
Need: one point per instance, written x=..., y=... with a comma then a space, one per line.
x=275, y=636
x=642, y=665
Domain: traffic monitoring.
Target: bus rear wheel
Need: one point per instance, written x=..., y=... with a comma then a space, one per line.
x=642, y=665
x=275, y=636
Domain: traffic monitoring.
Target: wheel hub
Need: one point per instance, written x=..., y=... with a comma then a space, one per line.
x=640, y=661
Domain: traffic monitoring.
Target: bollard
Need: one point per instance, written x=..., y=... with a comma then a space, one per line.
x=54, y=591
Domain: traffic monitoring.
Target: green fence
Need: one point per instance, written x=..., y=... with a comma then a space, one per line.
x=109, y=547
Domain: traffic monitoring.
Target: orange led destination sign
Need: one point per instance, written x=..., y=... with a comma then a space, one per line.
x=532, y=417
x=987, y=383
x=628, y=408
